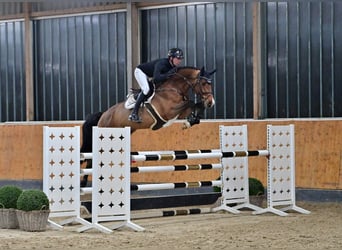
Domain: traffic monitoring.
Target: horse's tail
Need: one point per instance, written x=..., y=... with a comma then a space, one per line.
x=87, y=131
x=87, y=137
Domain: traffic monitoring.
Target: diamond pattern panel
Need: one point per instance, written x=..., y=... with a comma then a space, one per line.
x=235, y=174
x=281, y=164
x=111, y=172
x=61, y=168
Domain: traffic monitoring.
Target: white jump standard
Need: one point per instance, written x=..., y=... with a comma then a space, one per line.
x=281, y=171
x=61, y=174
x=111, y=170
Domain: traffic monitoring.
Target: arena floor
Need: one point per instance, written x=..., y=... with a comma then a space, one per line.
x=322, y=229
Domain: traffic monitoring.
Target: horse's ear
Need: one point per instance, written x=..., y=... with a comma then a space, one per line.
x=212, y=72
x=202, y=71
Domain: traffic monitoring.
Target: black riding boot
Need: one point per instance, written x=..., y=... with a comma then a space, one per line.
x=134, y=117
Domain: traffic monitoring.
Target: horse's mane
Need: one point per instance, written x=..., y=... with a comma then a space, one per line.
x=181, y=69
x=178, y=73
x=186, y=104
x=186, y=67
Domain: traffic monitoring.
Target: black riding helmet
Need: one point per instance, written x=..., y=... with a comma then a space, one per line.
x=175, y=52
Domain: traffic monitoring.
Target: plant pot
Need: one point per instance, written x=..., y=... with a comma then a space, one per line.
x=8, y=218
x=257, y=200
x=33, y=221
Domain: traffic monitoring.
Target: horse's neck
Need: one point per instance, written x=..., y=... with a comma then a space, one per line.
x=173, y=88
x=180, y=83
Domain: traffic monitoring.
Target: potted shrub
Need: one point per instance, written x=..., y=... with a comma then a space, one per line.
x=256, y=191
x=33, y=210
x=8, y=203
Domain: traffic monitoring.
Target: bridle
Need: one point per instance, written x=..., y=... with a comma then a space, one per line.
x=189, y=81
x=198, y=81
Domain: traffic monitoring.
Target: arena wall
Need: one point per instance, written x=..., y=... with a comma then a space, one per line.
x=318, y=150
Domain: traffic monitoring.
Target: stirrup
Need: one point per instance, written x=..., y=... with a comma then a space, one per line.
x=134, y=118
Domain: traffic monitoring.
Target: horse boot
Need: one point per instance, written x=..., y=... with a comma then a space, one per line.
x=134, y=116
x=193, y=119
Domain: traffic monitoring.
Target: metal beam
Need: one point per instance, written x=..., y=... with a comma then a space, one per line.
x=133, y=43
x=29, y=63
x=259, y=77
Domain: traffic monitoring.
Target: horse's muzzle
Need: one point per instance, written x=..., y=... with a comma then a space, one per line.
x=209, y=101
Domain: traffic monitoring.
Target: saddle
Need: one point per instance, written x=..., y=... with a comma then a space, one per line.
x=132, y=98
x=133, y=94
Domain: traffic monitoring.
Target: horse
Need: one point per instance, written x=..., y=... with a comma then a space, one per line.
x=169, y=101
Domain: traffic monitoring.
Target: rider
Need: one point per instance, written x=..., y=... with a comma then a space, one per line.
x=159, y=70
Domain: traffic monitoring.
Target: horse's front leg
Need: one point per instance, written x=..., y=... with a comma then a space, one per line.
x=196, y=113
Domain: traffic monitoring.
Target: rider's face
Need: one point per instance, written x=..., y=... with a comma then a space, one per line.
x=176, y=61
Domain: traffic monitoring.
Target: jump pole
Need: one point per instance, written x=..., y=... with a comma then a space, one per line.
x=234, y=181
x=185, y=155
x=171, y=212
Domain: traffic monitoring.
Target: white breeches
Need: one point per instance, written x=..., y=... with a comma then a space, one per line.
x=142, y=80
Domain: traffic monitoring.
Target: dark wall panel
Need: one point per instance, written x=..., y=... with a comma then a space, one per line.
x=304, y=55
x=217, y=35
x=80, y=61
x=12, y=72
x=80, y=65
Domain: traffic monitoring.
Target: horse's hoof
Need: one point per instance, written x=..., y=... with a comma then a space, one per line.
x=186, y=125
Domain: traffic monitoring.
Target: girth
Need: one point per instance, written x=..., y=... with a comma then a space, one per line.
x=158, y=121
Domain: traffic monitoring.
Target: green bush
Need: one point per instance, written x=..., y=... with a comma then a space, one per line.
x=33, y=199
x=255, y=187
x=9, y=195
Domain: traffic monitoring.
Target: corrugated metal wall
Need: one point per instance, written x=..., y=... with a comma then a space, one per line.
x=80, y=65
x=10, y=8
x=217, y=35
x=80, y=61
x=12, y=72
x=304, y=59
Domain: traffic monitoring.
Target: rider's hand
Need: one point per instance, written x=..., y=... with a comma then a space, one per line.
x=171, y=72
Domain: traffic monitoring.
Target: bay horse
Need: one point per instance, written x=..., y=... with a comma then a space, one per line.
x=170, y=101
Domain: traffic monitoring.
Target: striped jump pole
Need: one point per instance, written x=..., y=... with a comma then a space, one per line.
x=160, y=186
x=172, y=212
x=149, y=169
x=87, y=156
x=183, y=155
x=169, y=168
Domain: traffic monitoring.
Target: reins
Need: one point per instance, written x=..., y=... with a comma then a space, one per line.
x=198, y=81
x=192, y=85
